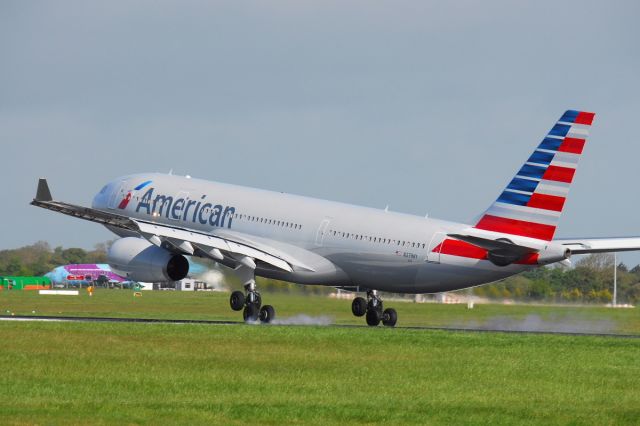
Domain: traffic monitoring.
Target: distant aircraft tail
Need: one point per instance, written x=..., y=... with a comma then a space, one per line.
x=531, y=205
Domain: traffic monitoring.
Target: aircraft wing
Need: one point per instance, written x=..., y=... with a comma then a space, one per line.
x=177, y=239
x=600, y=245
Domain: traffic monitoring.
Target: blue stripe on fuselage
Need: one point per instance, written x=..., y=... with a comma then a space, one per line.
x=142, y=185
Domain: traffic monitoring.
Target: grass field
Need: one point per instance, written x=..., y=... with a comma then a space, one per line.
x=108, y=373
x=121, y=373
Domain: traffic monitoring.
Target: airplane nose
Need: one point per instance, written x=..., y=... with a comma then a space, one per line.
x=100, y=199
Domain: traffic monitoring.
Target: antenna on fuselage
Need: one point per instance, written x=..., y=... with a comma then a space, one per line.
x=386, y=209
x=170, y=172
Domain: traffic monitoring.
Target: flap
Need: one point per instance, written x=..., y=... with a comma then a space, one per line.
x=206, y=242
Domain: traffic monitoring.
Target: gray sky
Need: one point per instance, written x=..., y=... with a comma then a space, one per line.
x=425, y=106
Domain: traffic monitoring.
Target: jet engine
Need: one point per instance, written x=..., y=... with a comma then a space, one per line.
x=140, y=260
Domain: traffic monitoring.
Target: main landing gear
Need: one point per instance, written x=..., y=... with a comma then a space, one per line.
x=373, y=309
x=251, y=303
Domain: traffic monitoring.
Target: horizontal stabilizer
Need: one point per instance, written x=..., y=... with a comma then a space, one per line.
x=495, y=245
x=600, y=245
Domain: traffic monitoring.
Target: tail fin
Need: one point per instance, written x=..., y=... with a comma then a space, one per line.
x=531, y=205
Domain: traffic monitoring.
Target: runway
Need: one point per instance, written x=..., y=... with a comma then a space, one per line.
x=213, y=322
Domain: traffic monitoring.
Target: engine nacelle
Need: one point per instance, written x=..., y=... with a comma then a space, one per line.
x=552, y=254
x=140, y=260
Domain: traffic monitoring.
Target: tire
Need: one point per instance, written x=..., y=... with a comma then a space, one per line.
x=250, y=313
x=236, y=300
x=373, y=317
x=389, y=317
x=359, y=306
x=267, y=314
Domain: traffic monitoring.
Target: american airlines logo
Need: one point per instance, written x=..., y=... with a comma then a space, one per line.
x=125, y=201
x=184, y=209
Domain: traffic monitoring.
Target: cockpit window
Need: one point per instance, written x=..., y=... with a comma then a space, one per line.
x=104, y=189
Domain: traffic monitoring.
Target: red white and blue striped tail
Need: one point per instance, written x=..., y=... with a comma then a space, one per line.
x=531, y=205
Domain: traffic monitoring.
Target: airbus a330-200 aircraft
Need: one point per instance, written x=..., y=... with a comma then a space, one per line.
x=163, y=218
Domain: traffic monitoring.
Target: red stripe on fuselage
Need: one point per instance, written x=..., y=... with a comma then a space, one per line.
x=547, y=202
x=572, y=145
x=559, y=174
x=460, y=248
x=516, y=227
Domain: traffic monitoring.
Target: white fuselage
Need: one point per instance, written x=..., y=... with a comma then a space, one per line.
x=365, y=247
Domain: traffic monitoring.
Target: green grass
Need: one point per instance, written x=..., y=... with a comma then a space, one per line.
x=215, y=306
x=115, y=373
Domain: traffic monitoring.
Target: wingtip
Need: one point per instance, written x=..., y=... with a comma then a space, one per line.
x=43, y=193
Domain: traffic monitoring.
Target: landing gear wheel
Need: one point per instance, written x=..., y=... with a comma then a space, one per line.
x=236, y=300
x=267, y=314
x=250, y=313
x=389, y=317
x=359, y=306
x=373, y=317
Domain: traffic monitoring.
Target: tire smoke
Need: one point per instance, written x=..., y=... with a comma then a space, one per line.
x=533, y=322
x=302, y=319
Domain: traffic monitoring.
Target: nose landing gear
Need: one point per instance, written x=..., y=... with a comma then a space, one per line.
x=374, y=311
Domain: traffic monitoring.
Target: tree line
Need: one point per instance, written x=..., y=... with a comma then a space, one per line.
x=39, y=258
x=590, y=281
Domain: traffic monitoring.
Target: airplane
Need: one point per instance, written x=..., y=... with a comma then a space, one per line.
x=161, y=218
x=86, y=273
x=77, y=274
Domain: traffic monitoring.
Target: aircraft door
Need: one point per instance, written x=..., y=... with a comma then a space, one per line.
x=433, y=255
x=322, y=230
